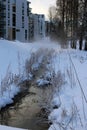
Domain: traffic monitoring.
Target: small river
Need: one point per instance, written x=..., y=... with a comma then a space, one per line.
x=26, y=112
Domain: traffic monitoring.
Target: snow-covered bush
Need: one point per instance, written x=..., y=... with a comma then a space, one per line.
x=42, y=82
x=8, y=88
x=57, y=80
x=38, y=58
x=47, y=93
x=33, y=63
x=6, y=81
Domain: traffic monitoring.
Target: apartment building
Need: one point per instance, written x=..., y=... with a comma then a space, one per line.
x=36, y=26
x=2, y=18
x=39, y=26
x=18, y=23
x=14, y=21
x=47, y=28
x=31, y=25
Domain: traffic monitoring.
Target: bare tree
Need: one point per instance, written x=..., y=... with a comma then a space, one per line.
x=69, y=17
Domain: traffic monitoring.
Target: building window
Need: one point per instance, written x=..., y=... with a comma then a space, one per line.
x=22, y=11
x=23, y=5
x=13, y=34
x=14, y=20
x=8, y=22
x=22, y=18
x=8, y=7
x=42, y=16
x=8, y=14
x=22, y=25
x=25, y=34
x=14, y=8
x=17, y=30
x=22, y=21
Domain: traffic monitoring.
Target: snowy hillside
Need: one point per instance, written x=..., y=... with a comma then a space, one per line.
x=9, y=128
x=9, y=52
x=12, y=59
x=71, y=99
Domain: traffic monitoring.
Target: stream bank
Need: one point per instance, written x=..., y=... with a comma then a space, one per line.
x=26, y=111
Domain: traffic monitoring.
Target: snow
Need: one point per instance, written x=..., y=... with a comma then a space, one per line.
x=42, y=82
x=8, y=95
x=56, y=102
x=12, y=59
x=9, y=128
x=72, y=110
x=71, y=100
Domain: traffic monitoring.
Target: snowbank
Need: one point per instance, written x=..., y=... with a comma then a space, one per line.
x=9, y=128
x=8, y=95
x=12, y=59
x=72, y=98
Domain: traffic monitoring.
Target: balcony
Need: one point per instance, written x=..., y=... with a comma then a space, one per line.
x=14, y=8
x=2, y=14
x=2, y=32
x=2, y=22
x=2, y=7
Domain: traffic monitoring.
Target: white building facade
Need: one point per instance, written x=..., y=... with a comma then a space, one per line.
x=18, y=23
x=16, y=17
x=39, y=26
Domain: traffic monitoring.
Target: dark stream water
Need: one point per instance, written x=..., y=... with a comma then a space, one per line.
x=25, y=113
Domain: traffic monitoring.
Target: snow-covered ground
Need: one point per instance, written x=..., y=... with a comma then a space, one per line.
x=9, y=128
x=71, y=99
x=11, y=51
x=12, y=59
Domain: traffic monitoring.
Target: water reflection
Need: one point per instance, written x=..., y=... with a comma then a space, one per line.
x=4, y=117
x=24, y=114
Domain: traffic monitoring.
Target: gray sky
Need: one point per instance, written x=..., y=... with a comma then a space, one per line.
x=41, y=6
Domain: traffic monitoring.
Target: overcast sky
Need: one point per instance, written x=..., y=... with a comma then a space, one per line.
x=41, y=6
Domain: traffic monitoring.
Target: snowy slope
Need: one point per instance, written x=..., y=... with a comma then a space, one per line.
x=9, y=128
x=9, y=52
x=13, y=56
x=72, y=113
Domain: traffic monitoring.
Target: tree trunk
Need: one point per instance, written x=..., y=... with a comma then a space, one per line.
x=85, y=44
x=74, y=44
x=80, y=42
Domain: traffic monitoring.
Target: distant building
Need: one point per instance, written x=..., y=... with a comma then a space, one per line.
x=39, y=26
x=47, y=28
x=14, y=19
x=2, y=19
x=31, y=26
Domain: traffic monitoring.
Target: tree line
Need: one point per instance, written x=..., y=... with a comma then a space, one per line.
x=68, y=21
